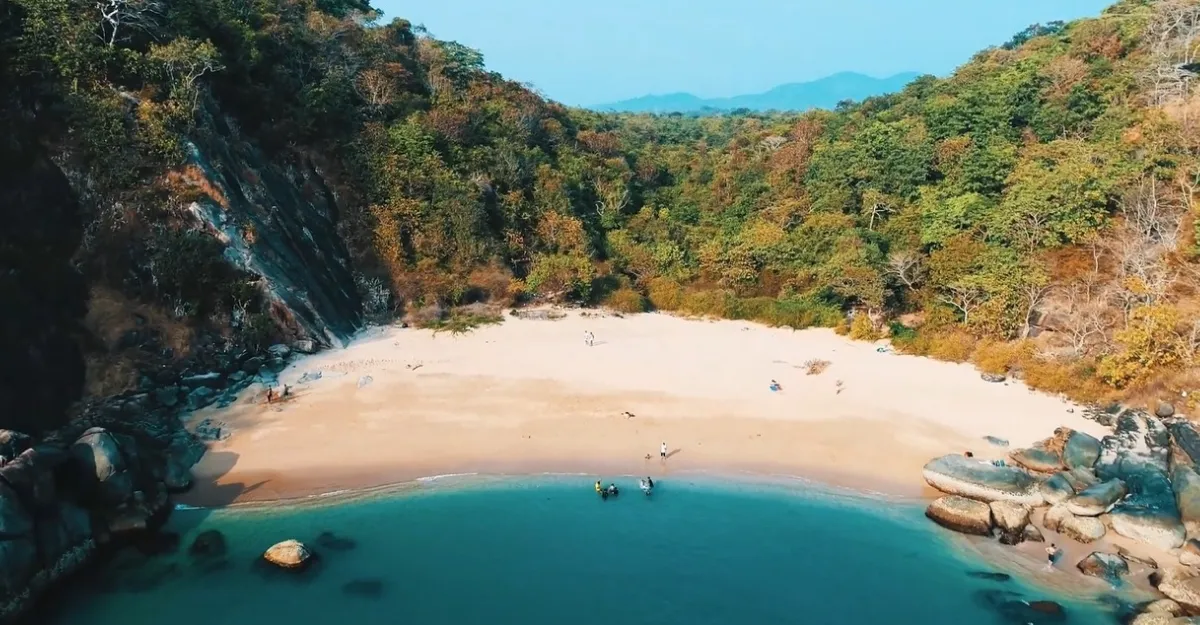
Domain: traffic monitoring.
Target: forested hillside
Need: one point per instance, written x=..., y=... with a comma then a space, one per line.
x=1033, y=212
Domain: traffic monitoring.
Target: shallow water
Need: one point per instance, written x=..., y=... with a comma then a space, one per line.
x=550, y=552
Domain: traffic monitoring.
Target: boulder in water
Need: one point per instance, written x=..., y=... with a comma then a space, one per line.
x=1107, y=566
x=208, y=544
x=1098, y=499
x=1080, y=450
x=958, y=475
x=289, y=554
x=961, y=515
x=1038, y=459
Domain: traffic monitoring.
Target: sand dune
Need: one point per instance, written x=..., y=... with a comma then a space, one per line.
x=529, y=396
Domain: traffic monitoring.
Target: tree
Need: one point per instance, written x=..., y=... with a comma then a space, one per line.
x=119, y=19
x=184, y=61
x=907, y=267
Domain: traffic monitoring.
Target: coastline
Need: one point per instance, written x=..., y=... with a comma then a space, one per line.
x=527, y=397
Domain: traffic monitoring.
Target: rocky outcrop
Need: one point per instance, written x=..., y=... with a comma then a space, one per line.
x=296, y=248
x=1137, y=454
x=1080, y=450
x=1065, y=484
x=1098, y=499
x=1038, y=459
x=1181, y=586
x=961, y=515
x=289, y=554
x=1106, y=566
x=1082, y=529
x=1011, y=518
x=966, y=477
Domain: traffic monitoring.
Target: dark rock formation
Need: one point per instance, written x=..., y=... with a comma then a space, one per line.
x=1063, y=485
x=961, y=515
x=1079, y=449
x=1137, y=454
x=296, y=247
x=958, y=475
x=1013, y=608
x=208, y=544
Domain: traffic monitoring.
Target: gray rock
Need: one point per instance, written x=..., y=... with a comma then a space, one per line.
x=1098, y=499
x=253, y=364
x=12, y=443
x=1083, y=529
x=1106, y=566
x=1136, y=560
x=211, y=379
x=1164, y=410
x=1057, y=489
x=305, y=346
x=1182, y=586
x=201, y=397
x=995, y=378
x=1010, y=516
x=99, y=453
x=1162, y=606
x=1185, y=482
x=1189, y=554
x=1033, y=534
x=999, y=442
x=279, y=350
x=276, y=364
x=289, y=554
x=1054, y=517
x=958, y=475
x=961, y=515
x=1037, y=459
x=1137, y=454
x=1149, y=514
x=1158, y=618
x=1185, y=439
x=167, y=396
x=1080, y=450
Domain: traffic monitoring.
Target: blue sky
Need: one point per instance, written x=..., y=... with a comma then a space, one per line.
x=588, y=52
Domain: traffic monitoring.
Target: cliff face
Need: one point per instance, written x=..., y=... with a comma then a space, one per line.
x=278, y=222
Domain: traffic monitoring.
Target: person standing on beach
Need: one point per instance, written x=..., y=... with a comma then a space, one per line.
x=662, y=451
x=589, y=339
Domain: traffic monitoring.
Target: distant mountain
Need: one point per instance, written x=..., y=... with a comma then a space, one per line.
x=800, y=96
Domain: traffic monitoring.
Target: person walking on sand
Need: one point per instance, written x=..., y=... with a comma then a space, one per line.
x=662, y=451
x=1051, y=555
x=589, y=339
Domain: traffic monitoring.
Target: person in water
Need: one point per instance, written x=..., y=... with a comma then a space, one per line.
x=598, y=486
x=612, y=489
x=650, y=481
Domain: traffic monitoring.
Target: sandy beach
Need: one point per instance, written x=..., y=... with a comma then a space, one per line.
x=529, y=396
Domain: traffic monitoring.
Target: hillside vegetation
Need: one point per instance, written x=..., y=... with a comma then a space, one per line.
x=1034, y=212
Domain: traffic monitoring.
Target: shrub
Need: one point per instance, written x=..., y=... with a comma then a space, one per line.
x=863, y=329
x=665, y=294
x=952, y=346
x=1000, y=357
x=626, y=300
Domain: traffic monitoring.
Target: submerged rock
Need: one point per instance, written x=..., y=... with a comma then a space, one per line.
x=289, y=554
x=208, y=544
x=1098, y=499
x=958, y=475
x=990, y=576
x=961, y=515
x=1037, y=459
x=1106, y=566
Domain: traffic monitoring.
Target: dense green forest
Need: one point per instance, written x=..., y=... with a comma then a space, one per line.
x=1034, y=212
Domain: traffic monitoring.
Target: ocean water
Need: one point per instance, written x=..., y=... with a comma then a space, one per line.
x=550, y=552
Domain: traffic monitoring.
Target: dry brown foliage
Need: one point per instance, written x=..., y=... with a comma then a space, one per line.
x=192, y=184
x=816, y=366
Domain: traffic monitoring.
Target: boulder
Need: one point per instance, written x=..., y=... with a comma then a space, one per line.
x=1037, y=459
x=1063, y=485
x=1189, y=554
x=1054, y=517
x=1098, y=499
x=12, y=443
x=961, y=515
x=211, y=379
x=1185, y=439
x=1149, y=514
x=1159, y=618
x=1033, y=534
x=304, y=346
x=1137, y=454
x=958, y=475
x=1083, y=529
x=289, y=554
x=1185, y=481
x=1164, y=410
x=994, y=440
x=1010, y=516
x=104, y=465
x=1080, y=450
x=253, y=364
x=1181, y=586
x=1106, y=566
x=208, y=544
x=1162, y=606
x=167, y=396
x=1135, y=560
x=279, y=350
x=994, y=378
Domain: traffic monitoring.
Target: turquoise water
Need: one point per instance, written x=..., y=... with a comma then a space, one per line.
x=550, y=552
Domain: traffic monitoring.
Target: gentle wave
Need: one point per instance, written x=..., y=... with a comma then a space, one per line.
x=443, y=476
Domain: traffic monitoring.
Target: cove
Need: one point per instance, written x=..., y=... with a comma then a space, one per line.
x=548, y=551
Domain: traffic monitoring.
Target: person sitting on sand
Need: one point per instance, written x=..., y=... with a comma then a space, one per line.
x=775, y=386
x=968, y=454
